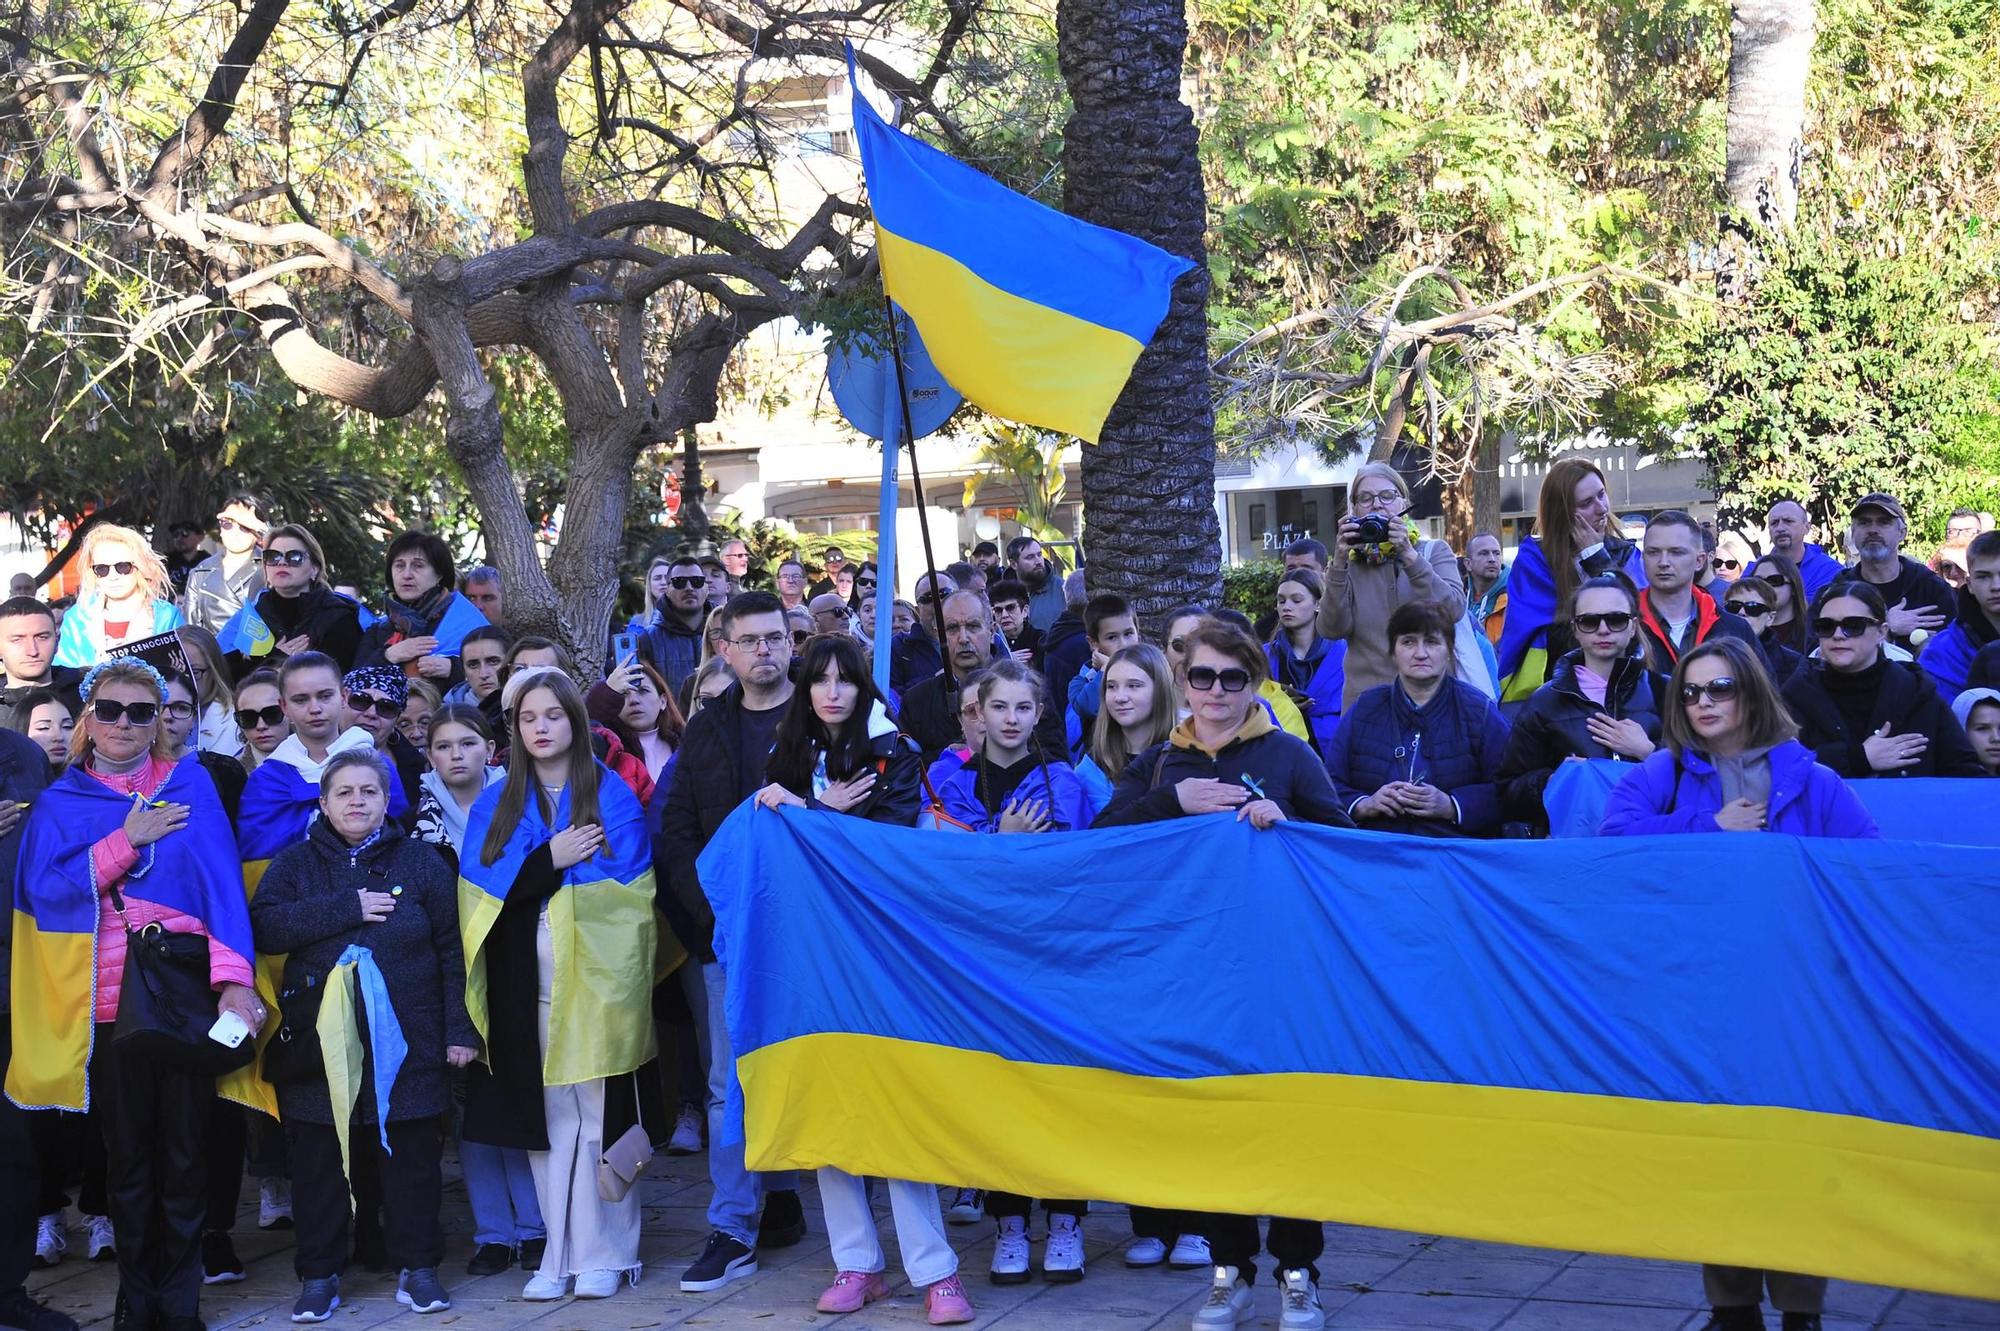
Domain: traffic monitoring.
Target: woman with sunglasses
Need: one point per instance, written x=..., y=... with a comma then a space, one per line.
x=123, y=597
x=1229, y=758
x=1421, y=755
x=1863, y=714
x=867, y=579
x=303, y=613
x=1755, y=601
x=1604, y=700
x=1729, y=762
x=841, y=753
x=146, y=840
x=1785, y=627
x=259, y=717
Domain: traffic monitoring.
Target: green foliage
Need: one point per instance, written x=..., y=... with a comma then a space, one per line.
x=1031, y=461
x=1844, y=372
x=1253, y=587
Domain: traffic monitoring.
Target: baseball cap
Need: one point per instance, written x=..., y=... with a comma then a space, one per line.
x=1887, y=503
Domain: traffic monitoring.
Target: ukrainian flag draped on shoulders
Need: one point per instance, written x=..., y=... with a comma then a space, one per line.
x=1531, y=611
x=1033, y=314
x=602, y=926
x=193, y=871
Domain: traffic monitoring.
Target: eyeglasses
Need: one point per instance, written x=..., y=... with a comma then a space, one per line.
x=248, y=719
x=1718, y=690
x=1201, y=679
x=179, y=711
x=1748, y=609
x=1853, y=626
x=110, y=713
x=765, y=642
x=294, y=558
x=1617, y=621
x=800, y=637
x=385, y=708
x=687, y=584
x=231, y=524
x=124, y=567
x=1379, y=499
x=1775, y=579
x=1177, y=646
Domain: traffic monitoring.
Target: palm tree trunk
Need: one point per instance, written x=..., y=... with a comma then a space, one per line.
x=1770, y=55
x=1130, y=161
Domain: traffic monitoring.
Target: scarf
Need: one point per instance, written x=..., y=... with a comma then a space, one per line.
x=451, y=818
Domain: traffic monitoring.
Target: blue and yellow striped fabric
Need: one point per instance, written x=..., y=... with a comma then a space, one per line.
x=1755, y=1050
x=1032, y=314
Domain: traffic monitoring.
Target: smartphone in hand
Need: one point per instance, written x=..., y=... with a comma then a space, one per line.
x=229, y=1030
x=625, y=648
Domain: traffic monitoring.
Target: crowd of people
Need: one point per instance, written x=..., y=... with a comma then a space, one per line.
x=440, y=826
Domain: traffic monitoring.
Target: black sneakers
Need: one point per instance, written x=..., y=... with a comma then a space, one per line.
x=219, y=1263
x=723, y=1260
x=317, y=1300
x=421, y=1291
x=783, y=1222
x=18, y=1312
x=490, y=1260
x=1734, y=1319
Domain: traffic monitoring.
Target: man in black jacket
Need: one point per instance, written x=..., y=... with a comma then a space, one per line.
x=24, y=773
x=1674, y=613
x=930, y=708
x=721, y=764
x=1917, y=597
x=27, y=655
x=673, y=646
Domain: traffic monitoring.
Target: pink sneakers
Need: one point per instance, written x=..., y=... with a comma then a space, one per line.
x=851, y=1291
x=946, y=1303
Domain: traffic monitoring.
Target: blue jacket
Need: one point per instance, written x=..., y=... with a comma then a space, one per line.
x=1664, y=794
x=1947, y=657
x=673, y=649
x=1817, y=569
x=1453, y=742
x=1321, y=697
x=1070, y=806
x=74, y=646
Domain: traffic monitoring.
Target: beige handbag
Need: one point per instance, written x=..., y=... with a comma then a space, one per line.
x=623, y=1162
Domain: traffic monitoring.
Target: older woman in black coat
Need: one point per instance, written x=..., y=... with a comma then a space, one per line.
x=357, y=880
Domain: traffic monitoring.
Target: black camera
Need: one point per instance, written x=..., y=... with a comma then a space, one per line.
x=1372, y=530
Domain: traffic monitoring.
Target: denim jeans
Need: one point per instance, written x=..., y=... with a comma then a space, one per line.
x=732, y=1205
x=501, y=1188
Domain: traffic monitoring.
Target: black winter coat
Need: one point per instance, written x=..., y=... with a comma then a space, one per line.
x=1553, y=724
x=1284, y=767
x=705, y=791
x=1906, y=699
x=1985, y=672
x=308, y=907
x=330, y=621
x=898, y=789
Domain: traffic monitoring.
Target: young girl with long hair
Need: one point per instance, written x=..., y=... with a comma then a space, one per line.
x=1140, y=707
x=558, y=865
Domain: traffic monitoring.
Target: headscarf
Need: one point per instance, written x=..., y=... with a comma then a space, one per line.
x=386, y=681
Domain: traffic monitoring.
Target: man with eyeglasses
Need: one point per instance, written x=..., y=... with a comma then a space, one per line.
x=1920, y=602
x=720, y=764
x=225, y=582
x=735, y=556
x=930, y=707
x=1675, y=614
x=673, y=646
x=792, y=584
x=1948, y=656
x=27, y=656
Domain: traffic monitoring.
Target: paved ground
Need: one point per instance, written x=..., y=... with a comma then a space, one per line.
x=1375, y=1280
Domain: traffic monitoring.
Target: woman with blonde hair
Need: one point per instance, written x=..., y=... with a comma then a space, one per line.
x=1381, y=564
x=124, y=597
x=1140, y=707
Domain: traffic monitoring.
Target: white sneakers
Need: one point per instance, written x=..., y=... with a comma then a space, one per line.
x=1010, y=1251
x=274, y=1203
x=545, y=1289
x=1229, y=1301
x=51, y=1239
x=1190, y=1253
x=103, y=1243
x=689, y=1125
x=1145, y=1252
x=600, y=1284
x=1062, y=1256
x=1299, y=1297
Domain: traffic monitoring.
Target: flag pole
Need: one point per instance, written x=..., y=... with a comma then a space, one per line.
x=917, y=480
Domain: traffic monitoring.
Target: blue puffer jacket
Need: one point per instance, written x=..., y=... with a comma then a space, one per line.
x=1319, y=700
x=1663, y=794
x=1055, y=784
x=1453, y=742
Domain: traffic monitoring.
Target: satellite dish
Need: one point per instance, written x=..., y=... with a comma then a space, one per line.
x=862, y=376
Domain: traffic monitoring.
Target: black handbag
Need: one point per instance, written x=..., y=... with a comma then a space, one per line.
x=166, y=1004
x=294, y=1055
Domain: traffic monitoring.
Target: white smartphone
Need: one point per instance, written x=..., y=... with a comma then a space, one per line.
x=229, y=1030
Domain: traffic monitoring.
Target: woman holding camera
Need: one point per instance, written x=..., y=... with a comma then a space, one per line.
x=1378, y=566
x=357, y=883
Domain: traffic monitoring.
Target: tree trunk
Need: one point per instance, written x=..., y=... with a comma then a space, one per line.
x=1770, y=55
x=1130, y=161
x=1473, y=505
x=694, y=513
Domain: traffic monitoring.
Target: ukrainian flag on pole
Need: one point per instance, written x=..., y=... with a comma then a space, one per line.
x=1030, y=313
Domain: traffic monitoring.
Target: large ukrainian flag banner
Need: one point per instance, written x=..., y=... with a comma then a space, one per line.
x=601, y=925
x=56, y=900
x=1756, y=1050
x=1032, y=314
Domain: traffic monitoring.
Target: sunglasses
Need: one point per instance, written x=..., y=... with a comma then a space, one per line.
x=291, y=557
x=1725, y=565
x=1617, y=621
x=1853, y=626
x=1201, y=679
x=1718, y=690
x=865, y=584
x=248, y=719
x=110, y=713
x=1749, y=609
x=1775, y=579
x=124, y=567
x=800, y=637
x=687, y=584
x=384, y=707
x=231, y=524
